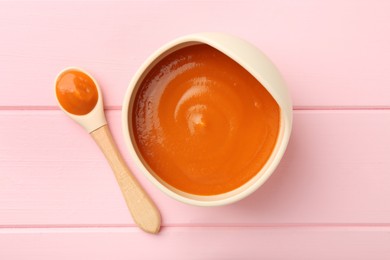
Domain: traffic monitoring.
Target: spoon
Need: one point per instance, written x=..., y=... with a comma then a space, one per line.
x=79, y=96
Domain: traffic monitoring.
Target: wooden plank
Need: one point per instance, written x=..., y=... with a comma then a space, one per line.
x=196, y=243
x=336, y=170
x=331, y=53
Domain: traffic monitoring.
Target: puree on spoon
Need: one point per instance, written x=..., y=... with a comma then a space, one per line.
x=76, y=92
x=202, y=123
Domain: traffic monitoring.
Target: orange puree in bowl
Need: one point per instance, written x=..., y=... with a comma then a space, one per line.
x=76, y=92
x=202, y=123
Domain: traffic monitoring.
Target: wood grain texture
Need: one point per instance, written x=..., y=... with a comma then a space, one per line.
x=332, y=53
x=336, y=170
x=143, y=210
x=193, y=243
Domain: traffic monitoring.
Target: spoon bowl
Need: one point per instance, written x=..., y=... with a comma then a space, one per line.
x=96, y=117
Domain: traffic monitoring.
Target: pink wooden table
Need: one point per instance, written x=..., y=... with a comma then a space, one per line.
x=329, y=199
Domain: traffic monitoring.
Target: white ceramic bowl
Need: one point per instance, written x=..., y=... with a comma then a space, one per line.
x=256, y=63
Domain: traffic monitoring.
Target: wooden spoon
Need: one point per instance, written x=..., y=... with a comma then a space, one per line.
x=79, y=96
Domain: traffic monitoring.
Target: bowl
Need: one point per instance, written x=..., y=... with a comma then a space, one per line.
x=253, y=61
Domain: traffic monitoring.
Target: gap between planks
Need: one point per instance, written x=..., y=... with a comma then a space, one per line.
x=295, y=108
x=286, y=226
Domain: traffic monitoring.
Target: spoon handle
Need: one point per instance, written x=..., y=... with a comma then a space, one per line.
x=142, y=208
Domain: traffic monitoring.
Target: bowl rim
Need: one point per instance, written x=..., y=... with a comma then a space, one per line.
x=220, y=41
